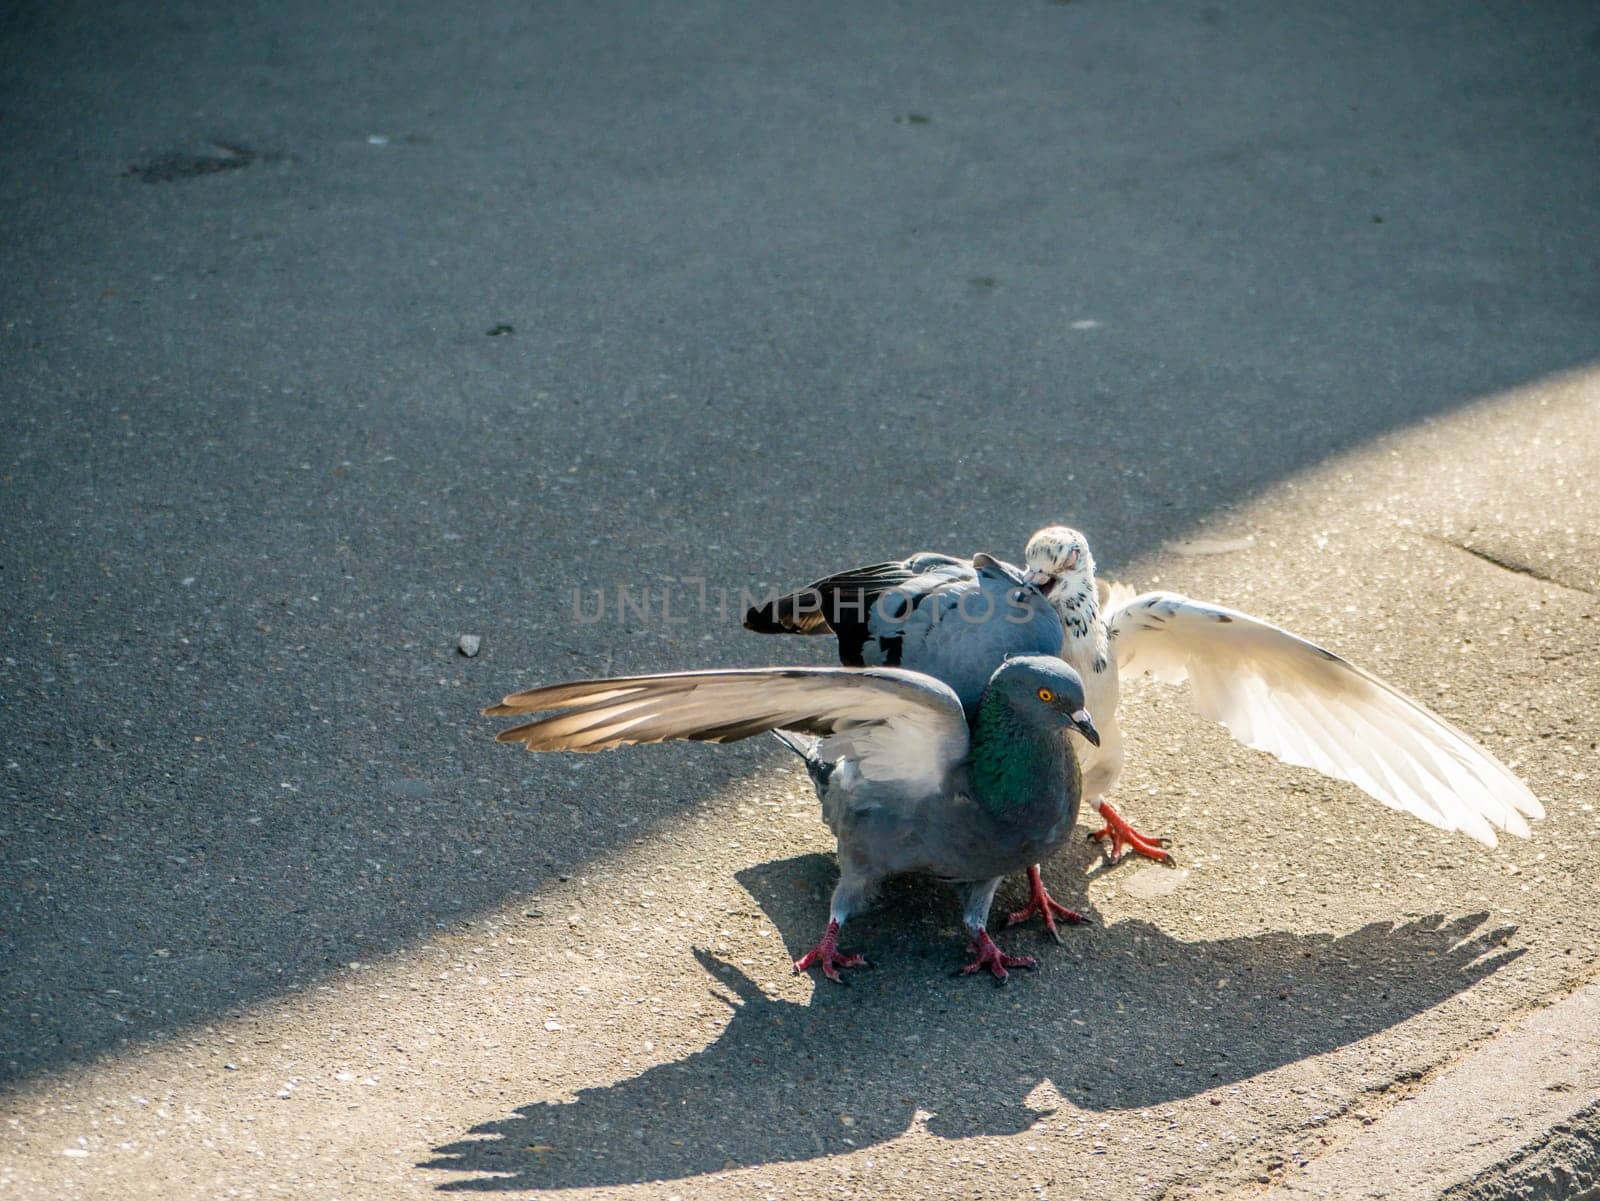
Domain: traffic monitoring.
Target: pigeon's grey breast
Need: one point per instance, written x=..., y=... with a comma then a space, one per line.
x=886, y=827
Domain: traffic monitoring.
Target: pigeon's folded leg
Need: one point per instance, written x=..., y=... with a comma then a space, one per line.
x=827, y=955
x=1125, y=837
x=1041, y=902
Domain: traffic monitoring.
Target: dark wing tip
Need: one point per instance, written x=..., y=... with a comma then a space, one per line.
x=797, y=613
x=762, y=619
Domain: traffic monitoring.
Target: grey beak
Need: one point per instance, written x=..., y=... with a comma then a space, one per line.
x=1081, y=722
x=1037, y=577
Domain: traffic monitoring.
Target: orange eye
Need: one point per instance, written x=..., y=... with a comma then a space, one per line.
x=1046, y=695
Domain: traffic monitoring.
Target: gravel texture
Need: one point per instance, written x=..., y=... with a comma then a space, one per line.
x=331, y=332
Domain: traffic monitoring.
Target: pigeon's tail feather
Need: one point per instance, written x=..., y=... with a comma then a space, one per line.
x=804, y=745
x=807, y=747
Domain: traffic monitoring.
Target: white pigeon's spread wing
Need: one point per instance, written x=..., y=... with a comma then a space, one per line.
x=893, y=724
x=1281, y=694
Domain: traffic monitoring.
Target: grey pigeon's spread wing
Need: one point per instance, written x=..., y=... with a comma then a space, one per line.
x=895, y=725
x=1279, y=693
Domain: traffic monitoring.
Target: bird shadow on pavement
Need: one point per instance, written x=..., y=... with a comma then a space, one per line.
x=1118, y=1017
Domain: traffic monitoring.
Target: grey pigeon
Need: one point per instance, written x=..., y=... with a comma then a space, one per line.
x=949, y=618
x=906, y=784
x=952, y=619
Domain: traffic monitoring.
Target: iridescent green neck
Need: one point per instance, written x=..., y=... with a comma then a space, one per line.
x=1014, y=763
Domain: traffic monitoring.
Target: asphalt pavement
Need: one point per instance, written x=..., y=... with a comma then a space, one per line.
x=331, y=334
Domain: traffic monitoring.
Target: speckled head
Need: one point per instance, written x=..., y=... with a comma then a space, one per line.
x=1058, y=559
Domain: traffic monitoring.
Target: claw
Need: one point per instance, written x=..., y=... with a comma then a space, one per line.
x=1041, y=902
x=827, y=955
x=1125, y=837
x=987, y=955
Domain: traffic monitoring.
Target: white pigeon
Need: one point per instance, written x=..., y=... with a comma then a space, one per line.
x=1273, y=690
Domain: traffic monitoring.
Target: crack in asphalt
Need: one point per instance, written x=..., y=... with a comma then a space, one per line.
x=1514, y=566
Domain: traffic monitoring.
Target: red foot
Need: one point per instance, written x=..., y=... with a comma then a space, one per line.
x=992, y=957
x=1042, y=903
x=827, y=955
x=1123, y=836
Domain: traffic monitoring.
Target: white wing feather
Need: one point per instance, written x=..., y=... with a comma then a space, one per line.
x=1291, y=698
x=893, y=725
x=1112, y=595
